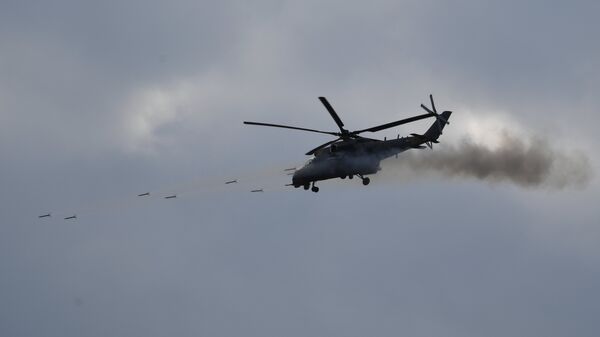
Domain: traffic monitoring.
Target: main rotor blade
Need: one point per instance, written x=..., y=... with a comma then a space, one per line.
x=355, y=136
x=292, y=127
x=392, y=124
x=311, y=152
x=332, y=112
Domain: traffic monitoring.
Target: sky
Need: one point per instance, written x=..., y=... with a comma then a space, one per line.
x=103, y=100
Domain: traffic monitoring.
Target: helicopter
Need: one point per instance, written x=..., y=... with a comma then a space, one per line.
x=351, y=154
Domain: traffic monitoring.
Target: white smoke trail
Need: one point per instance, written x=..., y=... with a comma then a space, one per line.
x=268, y=179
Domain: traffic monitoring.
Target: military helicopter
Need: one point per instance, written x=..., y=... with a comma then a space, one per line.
x=352, y=155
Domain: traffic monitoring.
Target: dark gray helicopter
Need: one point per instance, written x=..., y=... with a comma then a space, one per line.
x=351, y=154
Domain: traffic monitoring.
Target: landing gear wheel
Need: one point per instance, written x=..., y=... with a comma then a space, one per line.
x=343, y=177
x=351, y=176
x=366, y=181
x=306, y=187
x=315, y=189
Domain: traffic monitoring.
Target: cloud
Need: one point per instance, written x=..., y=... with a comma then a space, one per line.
x=106, y=100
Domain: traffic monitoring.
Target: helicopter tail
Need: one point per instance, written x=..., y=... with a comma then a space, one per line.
x=434, y=132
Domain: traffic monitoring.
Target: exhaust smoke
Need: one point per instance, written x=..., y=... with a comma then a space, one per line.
x=527, y=161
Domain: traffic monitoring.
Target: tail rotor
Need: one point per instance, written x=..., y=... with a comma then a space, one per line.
x=441, y=121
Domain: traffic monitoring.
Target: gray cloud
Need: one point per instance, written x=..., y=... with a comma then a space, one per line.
x=100, y=101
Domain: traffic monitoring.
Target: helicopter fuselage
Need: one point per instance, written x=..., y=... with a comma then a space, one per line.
x=349, y=158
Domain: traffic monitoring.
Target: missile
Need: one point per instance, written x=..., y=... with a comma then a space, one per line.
x=44, y=215
x=171, y=196
x=259, y=190
x=290, y=169
x=231, y=182
x=74, y=216
x=144, y=194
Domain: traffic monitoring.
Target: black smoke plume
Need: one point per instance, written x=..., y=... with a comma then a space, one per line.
x=530, y=161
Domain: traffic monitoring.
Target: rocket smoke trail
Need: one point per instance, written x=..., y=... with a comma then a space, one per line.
x=530, y=161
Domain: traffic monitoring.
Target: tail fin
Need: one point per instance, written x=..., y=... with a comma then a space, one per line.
x=434, y=132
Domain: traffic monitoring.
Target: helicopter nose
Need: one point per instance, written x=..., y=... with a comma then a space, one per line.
x=300, y=177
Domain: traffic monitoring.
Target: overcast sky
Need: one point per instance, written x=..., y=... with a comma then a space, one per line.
x=100, y=101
